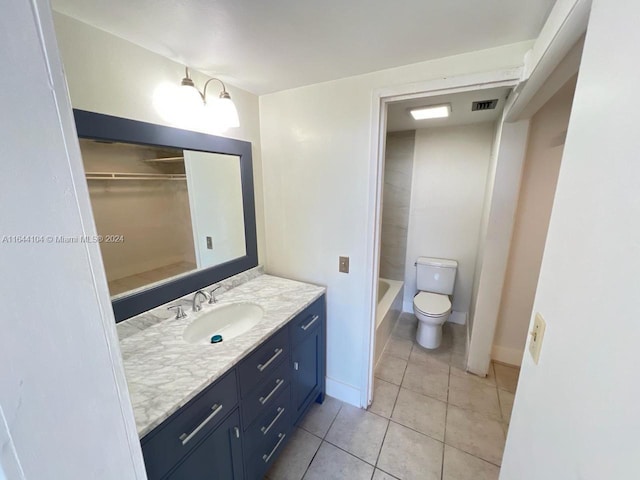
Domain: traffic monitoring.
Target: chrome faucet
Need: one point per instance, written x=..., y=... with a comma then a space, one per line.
x=180, y=313
x=212, y=296
x=196, y=307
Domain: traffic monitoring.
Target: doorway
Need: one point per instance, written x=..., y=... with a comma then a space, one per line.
x=429, y=92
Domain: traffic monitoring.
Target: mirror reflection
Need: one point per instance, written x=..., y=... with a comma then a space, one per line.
x=162, y=212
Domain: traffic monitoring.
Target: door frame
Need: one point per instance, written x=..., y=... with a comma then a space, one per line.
x=380, y=99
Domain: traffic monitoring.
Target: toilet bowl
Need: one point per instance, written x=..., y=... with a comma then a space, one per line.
x=432, y=310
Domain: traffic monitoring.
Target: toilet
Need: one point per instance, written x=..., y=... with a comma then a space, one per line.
x=435, y=279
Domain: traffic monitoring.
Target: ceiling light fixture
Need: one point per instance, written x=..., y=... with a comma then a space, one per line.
x=221, y=111
x=434, y=111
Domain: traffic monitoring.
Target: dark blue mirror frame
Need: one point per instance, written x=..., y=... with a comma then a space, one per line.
x=97, y=126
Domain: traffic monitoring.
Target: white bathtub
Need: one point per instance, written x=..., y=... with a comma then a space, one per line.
x=387, y=312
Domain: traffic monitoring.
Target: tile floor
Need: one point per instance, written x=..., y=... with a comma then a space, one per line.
x=429, y=420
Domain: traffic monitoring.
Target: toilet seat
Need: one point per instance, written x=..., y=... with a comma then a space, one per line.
x=432, y=305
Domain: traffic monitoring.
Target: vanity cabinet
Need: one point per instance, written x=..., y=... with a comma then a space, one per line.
x=237, y=427
x=308, y=358
x=219, y=456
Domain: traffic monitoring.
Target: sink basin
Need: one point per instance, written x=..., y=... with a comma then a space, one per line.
x=229, y=320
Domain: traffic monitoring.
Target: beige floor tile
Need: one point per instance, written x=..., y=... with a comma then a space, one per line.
x=358, y=432
x=438, y=357
x=406, y=327
x=384, y=398
x=458, y=360
x=475, y=433
x=507, y=377
x=296, y=456
x=410, y=455
x=380, y=475
x=320, y=417
x=431, y=380
x=399, y=347
x=391, y=369
x=459, y=465
x=506, y=404
x=330, y=462
x=490, y=379
x=466, y=392
x=419, y=412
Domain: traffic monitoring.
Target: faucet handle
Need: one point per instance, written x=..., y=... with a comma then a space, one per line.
x=180, y=313
x=212, y=297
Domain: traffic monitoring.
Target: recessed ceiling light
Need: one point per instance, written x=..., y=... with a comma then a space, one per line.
x=435, y=111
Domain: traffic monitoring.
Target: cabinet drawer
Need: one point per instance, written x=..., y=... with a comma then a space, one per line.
x=261, y=363
x=259, y=462
x=272, y=420
x=307, y=321
x=173, y=439
x=260, y=399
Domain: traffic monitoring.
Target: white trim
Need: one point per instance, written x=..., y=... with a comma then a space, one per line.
x=343, y=392
x=510, y=356
x=380, y=98
x=566, y=23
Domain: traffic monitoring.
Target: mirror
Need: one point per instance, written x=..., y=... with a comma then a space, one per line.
x=173, y=209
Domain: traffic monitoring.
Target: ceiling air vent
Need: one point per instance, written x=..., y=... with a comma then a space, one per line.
x=484, y=105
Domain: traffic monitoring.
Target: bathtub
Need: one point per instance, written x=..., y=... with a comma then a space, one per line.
x=387, y=312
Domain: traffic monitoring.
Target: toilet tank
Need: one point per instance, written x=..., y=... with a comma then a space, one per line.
x=436, y=275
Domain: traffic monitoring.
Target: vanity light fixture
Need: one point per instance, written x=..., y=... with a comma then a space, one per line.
x=220, y=111
x=434, y=111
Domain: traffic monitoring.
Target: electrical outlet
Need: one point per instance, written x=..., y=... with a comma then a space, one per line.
x=344, y=265
x=537, y=335
x=209, y=243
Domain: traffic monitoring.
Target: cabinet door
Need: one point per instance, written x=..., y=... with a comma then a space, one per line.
x=218, y=457
x=306, y=371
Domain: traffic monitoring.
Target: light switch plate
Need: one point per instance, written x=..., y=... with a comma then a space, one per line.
x=344, y=265
x=537, y=335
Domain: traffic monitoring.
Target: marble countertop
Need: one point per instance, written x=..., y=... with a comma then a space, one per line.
x=164, y=372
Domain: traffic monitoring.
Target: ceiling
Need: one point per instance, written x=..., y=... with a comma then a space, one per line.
x=398, y=118
x=267, y=46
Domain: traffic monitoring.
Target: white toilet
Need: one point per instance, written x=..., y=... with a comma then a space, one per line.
x=436, y=278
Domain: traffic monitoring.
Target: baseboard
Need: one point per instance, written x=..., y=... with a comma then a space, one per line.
x=344, y=392
x=407, y=306
x=510, y=356
x=459, y=318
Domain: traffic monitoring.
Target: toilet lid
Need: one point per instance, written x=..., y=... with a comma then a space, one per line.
x=433, y=304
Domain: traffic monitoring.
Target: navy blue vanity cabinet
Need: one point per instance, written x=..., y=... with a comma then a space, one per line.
x=217, y=457
x=308, y=357
x=264, y=378
x=237, y=427
x=184, y=433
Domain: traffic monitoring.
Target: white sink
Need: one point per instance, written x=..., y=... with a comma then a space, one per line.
x=228, y=320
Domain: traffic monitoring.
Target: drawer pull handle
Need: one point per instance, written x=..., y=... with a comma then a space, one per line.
x=185, y=438
x=279, y=383
x=266, y=429
x=266, y=457
x=313, y=320
x=236, y=430
x=277, y=353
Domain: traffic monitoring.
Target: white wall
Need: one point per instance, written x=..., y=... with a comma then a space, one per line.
x=64, y=407
x=542, y=163
x=449, y=175
x=107, y=74
x=576, y=412
x=501, y=199
x=316, y=157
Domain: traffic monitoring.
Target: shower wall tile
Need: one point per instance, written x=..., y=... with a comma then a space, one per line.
x=398, y=171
